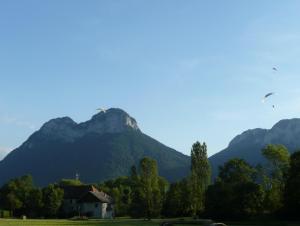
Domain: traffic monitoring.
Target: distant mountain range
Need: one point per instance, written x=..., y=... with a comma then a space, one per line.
x=249, y=144
x=102, y=148
x=108, y=144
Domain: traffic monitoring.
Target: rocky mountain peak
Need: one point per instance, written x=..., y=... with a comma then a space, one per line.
x=251, y=134
x=248, y=145
x=287, y=124
x=113, y=120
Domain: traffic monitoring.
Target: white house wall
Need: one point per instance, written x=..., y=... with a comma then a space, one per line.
x=92, y=209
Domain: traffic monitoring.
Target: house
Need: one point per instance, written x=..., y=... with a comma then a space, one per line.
x=86, y=200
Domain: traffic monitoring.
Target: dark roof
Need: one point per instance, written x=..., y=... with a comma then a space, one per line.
x=96, y=196
x=76, y=192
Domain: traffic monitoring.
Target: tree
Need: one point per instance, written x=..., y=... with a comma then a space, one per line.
x=292, y=188
x=278, y=158
x=163, y=185
x=147, y=190
x=137, y=205
x=236, y=171
x=34, y=203
x=199, y=178
x=235, y=193
x=277, y=167
x=173, y=204
x=151, y=194
x=15, y=194
x=13, y=202
x=121, y=191
x=52, y=199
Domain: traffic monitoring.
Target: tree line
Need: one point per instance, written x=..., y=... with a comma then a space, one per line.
x=239, y=191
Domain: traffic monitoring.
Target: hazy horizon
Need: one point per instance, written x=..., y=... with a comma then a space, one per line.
x=185, y=70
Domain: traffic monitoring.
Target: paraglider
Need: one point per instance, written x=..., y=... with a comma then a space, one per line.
x=266, y=96
x=101, y=110
x=274, y=69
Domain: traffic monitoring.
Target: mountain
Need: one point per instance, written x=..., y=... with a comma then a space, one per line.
x=102, y=148
x=249, y=144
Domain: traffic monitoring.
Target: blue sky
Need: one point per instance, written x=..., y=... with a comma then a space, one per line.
x=186, y=70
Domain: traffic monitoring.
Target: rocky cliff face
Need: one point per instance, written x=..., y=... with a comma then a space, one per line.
x=249, y=144
x=111, y=121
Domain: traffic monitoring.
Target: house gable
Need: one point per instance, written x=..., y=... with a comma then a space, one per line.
x=87, y=200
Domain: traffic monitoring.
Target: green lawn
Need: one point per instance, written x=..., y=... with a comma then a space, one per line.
x=77, y=223
x=123, y=222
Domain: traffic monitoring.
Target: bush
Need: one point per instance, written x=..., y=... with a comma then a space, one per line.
x=4, y=214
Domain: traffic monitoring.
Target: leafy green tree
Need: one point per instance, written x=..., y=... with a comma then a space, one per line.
x=277, y=167
x=137, y=204
x=34, y=203
x=177, y=203
x=151, y=194
x=52, y=199
x=13, y=202
x=16, y=193
x=235, y=193
x=240, y=200
x=173, y=204
x=236, y=170
x=278, y=158
x=117, y=200
x=199, y=178
x=120, y=190
x=163, y=185
x=147, y=190
x=292, y=188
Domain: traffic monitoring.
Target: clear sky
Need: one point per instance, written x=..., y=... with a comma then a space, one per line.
x=186, y=70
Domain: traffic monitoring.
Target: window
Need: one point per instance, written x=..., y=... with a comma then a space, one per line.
x=96, y=205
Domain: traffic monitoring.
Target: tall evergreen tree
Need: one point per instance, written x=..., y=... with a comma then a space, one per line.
x=199, y=178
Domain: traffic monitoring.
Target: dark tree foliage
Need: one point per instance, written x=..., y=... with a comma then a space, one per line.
x=177, y=203
x=292, y=188
x=52, y=199
x=121, y=191
x=235, y=194
x=16, y=195
x=276, y=170
x=148, y=190
x=34, y=203
x=236, y=170
x=278, y=161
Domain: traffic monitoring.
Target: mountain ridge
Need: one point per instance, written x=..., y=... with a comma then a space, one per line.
x=102, y=148
x=248, y=144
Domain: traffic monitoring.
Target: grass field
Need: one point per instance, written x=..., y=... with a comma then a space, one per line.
x=78, y=223
x=123, y=222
